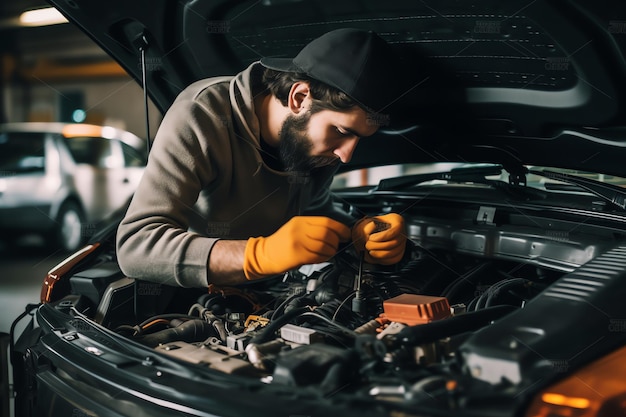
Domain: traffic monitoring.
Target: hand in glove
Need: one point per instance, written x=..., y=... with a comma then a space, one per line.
x=383, y=238
x=302, y=240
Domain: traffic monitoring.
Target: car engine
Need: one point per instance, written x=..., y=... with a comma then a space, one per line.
x=470, y=317
x=383, y=332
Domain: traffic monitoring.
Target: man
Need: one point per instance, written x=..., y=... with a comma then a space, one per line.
x=237, y=185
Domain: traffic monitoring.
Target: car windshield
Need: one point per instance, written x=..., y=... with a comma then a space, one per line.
x=21, y=152
x=90, y=150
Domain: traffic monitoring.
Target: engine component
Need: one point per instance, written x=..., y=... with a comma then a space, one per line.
x=93, y=282
x=188, y=331
x=330, y=367
x=261, y=355
x=412, y=309
x=301, y=335
x=532, y=343
x=238, y=341
x=430, y=332
x=216, y=357
x=254, y=322
x=116, y=294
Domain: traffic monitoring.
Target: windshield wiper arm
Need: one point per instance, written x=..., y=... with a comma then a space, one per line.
x=611, y=193
x=464, y=174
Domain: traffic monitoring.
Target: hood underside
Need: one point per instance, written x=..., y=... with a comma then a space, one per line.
x=516, y=82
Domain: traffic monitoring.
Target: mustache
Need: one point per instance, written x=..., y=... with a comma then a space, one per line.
x=321, y=161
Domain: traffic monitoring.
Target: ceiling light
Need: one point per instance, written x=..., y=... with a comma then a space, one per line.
x=42, y=17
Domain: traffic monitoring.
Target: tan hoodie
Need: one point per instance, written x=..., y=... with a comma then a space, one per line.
x=206, y=180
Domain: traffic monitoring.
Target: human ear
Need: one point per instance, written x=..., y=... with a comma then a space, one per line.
x=299, y=96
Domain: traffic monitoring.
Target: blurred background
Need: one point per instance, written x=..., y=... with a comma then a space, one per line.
x=50, y=69
x=51, y=72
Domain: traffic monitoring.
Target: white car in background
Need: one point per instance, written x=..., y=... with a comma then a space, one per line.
x=59, y=180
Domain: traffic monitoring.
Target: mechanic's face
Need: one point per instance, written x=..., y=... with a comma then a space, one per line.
x=310, y=140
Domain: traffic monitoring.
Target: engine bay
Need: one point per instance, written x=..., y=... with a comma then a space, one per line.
x=488, y=306
x=391, y=333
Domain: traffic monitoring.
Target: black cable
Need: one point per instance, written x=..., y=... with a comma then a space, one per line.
x=329, y=321
x=168, y=317
x=27, y=311
x=466, y=278
x=282, y=305
x=345, y=300
x=430, y=332
x=499, y=287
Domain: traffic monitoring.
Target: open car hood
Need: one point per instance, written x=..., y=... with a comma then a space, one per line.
x=534, y=83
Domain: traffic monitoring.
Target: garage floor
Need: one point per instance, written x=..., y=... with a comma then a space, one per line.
x=22, y=271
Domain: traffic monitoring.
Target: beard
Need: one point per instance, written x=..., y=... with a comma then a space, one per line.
x=295, y=146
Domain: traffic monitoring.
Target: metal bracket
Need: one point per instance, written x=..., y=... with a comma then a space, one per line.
x=486, y=215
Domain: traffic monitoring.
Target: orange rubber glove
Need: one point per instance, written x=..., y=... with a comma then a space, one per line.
x=302, y=240
x=382, y=238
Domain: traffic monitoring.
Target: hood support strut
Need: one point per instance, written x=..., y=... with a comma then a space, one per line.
x=141, y=42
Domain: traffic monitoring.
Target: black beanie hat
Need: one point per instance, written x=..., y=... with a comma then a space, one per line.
x=358, y=62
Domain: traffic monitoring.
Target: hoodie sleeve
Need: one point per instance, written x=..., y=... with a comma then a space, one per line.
x=153, y=241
